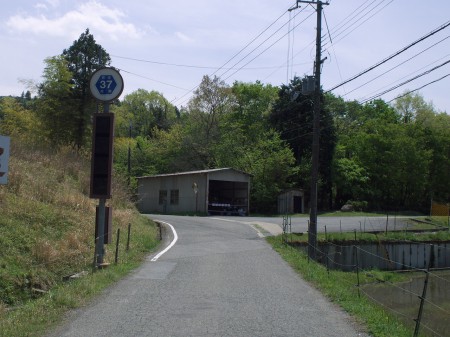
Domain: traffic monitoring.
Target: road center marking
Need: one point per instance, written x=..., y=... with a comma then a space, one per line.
x=175, y=238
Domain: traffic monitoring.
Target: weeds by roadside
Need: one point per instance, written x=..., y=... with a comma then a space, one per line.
x=47, y=232
x=340, y=287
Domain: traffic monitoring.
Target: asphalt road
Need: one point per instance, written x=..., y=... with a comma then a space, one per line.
x=220, y=278
x=335, y=224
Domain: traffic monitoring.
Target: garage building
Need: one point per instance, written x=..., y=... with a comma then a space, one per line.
x=223, y=191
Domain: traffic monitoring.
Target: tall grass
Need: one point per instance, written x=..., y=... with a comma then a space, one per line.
x=47, y=224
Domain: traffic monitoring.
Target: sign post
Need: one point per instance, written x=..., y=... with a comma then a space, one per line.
x=4, y=159
x=106, y=85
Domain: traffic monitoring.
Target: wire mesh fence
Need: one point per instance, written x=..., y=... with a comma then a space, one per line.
x=421, y=300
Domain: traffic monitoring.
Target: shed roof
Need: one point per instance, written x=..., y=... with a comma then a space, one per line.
x=194, y=172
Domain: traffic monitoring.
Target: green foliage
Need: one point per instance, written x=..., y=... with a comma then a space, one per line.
x=141, y=154
x=53, y=107
x=339, y=287
x=47, y=224
x=254, y=101
x=17, y=121
x=143, y=111
x=292, y=116
x=211, y=102
x=83, y=57
x=393, y=157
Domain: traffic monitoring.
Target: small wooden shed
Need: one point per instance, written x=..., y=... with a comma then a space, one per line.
x=223, y=191
x=291, y=201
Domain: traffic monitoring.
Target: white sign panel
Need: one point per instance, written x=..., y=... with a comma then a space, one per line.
x=106, y=84
x=4, y=159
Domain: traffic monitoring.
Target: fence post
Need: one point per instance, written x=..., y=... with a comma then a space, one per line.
x=424, y=294
x=128, y=239
x=355, y=249
x=94, y=263
x=308, y=241
x=117, y=246
x=387, y=222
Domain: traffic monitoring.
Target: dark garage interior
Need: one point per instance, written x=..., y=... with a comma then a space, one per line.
x=228, y=198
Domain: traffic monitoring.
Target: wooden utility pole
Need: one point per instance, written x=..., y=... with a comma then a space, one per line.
x=312, y=228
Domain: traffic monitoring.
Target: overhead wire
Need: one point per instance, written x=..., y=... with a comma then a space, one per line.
x=347, y=20
x=264, y=41
x=193, y=66
x=403, y=83
x=407, y=75
x=398, y=65
x=332, y=46
x=360, y=12
x=436, y=30
x=151, y=79
x=367, y=19
x=249, y=53
x=233, y=57
x=270, y=46
x=417, y=89
x=289, y=49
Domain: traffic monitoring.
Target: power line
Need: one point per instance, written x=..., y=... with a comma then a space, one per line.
x=367, y=19
x=270, y=46
x=423, y=86
x=190, y=65
x=343, y=22
x=398, y=65
x=151, y=79
x=233, y=57
x=405, y=82
x=392, y=56
x=267, y=39
x=409, y=74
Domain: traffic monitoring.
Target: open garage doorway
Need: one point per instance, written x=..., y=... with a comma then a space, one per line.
x=228, y=197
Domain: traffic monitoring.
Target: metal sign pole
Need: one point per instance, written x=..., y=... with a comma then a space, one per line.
x=101, y=217
x=106, y=85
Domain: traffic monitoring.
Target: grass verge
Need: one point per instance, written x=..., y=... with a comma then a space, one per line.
x=35, y=317
x=340, y=287
x=47, y=225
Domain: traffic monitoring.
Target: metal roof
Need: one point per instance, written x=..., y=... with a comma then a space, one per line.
x=194, y=172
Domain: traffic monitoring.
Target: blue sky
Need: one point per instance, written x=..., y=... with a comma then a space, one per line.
x=178, y=42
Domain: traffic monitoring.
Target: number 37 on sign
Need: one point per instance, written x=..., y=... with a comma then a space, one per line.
x=106, y=84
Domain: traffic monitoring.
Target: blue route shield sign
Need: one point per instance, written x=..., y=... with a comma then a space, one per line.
x=106, y=84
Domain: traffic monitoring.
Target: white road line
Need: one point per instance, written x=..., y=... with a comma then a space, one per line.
x=258, y=231
x=175, y=238
x=260, y=234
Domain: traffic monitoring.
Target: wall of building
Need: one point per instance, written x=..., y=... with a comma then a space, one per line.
x=287, y=202
x=236, y=188
x=149, y=190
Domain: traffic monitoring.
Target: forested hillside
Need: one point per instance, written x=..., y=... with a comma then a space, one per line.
x=378, y=155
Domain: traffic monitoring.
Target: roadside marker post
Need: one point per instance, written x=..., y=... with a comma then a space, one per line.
x=4, y=159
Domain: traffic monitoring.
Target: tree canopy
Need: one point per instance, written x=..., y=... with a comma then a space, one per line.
x=380, y=156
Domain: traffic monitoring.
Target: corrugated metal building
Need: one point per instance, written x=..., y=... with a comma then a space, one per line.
x=224, y=191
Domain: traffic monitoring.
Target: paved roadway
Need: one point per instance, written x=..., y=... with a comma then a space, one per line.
x=332, y=224
x=219, y=279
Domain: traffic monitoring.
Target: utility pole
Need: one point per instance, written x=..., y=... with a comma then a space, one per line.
x=312, y=227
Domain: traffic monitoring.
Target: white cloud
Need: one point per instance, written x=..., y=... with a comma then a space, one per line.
x=41, y=6
x=183, y=37
x=45, y=5
x=99, y=18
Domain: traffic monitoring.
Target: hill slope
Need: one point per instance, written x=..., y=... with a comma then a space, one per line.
x=47, y=222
